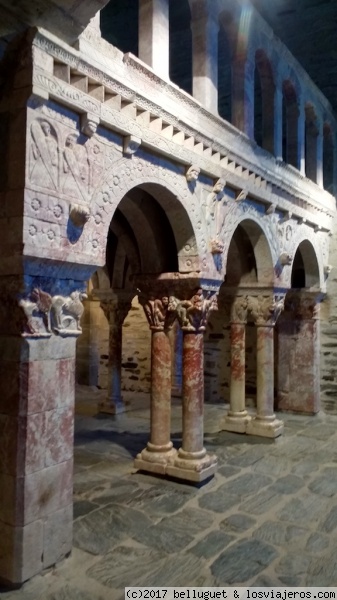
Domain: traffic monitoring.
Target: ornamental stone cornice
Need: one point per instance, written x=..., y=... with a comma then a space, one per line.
x=234, y=158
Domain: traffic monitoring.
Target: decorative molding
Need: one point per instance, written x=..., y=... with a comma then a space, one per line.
x=46, y=314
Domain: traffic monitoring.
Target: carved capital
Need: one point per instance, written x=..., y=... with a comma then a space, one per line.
x=239, y=310
x=303, y=305
x=265, y=310
x=193, y=313
x=158, y=311
x=46, y=314
x=115, y=310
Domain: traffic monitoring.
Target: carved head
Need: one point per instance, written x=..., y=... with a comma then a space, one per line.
x=45, y=128
x=71, y=140
x=90, y=128
x=219, y=186
x=192, y=173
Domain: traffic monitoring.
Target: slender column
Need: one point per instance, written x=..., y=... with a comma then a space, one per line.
x=205, y=29
x=153, y=44
x=265, y=311
x=237, y=417
x=303, y=378
x=115, y=310
x=243, y=94
x=159, y=451
x=193, y=463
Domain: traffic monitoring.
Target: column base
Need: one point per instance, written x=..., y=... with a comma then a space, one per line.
x=268, y=429
x=111, y=407
x=236, y=422
x=193, y=469
x=155, y=462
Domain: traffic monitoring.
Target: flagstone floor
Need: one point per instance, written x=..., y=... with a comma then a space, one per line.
x=268, y=517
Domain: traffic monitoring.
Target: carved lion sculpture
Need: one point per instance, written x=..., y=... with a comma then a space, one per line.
x=65, y=310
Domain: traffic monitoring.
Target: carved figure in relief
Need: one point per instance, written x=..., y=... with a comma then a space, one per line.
x=96, y=165
x=45, y=155
x=67, y=311
x=192, y=173
x=213, y=206
x=37, y=310
x=76, y=168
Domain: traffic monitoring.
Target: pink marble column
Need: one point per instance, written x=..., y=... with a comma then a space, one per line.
x=237, y=417
x=159, y=451
x=265, y=311
x=37, y=373
x=116, y=311
x=299, y=383
x=193, y=463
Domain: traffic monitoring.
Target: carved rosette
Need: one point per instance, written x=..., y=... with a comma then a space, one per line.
x=193, y=314
x=158, y=311
x=46, y=314
x=239, y=310
x=304, y=306
x=265, y=310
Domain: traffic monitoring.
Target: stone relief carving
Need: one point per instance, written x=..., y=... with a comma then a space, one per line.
x=79, y=215
x=239, y=310
x=44, y=162
x=76, y=168
x=265, y=310
x=158, y=311
x=46, y=314
x=192, y=173
x=131, y=144
x=89, y=124
x=193, y=314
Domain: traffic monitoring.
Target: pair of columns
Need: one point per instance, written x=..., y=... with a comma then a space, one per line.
x=264, y=312
x=191, y=462
x=298, y=360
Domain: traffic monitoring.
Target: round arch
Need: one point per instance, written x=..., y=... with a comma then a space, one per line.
x=305, y=271
x=249, y=258
x=170, y=190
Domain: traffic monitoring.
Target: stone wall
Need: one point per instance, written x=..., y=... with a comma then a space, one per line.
x=329, y=334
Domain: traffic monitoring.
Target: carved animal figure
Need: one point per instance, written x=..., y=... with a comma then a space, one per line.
x=65, y=310
x=39, y=304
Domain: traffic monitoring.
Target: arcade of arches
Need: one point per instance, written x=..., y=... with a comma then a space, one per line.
x=165, y=228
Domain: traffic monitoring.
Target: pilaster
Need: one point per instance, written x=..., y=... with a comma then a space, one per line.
x=205, y=29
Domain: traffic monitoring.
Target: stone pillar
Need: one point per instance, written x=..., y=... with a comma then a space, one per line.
x=237, y=417
x=192, y=462
x=159, y=451
x=205, y=29
x=116, y=310
x=277, y=122
x=301, y=137
x=153, y=41
x=319, y=176
x=243, y=94
x=265, y=311
x=299, y=388
x=294, y=134
x=38, y=334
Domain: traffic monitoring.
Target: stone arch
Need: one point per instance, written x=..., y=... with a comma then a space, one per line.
x=169, y=188
x=255, y=253
x=306, y=271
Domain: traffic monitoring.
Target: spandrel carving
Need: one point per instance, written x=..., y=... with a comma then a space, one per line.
x=44, y=158
x=76, y=168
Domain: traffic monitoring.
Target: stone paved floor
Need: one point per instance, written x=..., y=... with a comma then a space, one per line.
x=268, y=518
